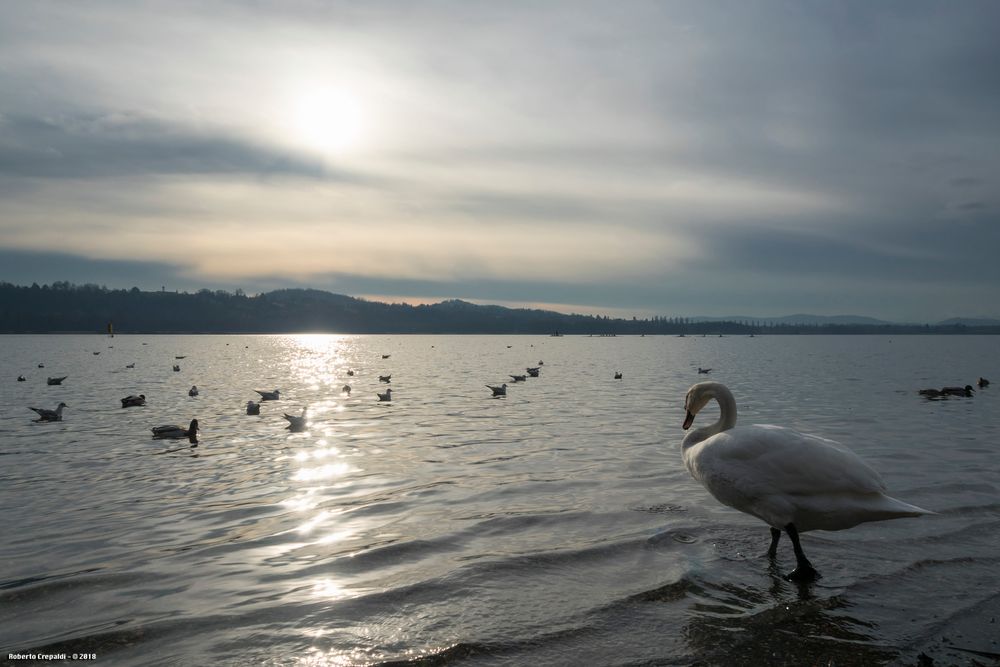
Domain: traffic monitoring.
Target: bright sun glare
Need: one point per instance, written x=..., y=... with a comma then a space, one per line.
x=328, y=121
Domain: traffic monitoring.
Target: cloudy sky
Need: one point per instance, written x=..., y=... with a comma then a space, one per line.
x=676, y=158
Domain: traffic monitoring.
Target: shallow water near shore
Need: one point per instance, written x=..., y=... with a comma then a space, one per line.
x=554, y=526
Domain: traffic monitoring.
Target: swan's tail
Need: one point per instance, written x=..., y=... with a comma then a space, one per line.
x=900, y=509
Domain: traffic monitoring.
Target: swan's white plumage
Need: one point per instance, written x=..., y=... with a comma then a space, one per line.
x=782, y=476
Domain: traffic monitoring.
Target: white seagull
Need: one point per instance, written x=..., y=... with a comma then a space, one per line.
x=50, y=415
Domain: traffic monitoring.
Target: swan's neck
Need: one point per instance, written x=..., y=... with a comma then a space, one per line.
x=727, y=417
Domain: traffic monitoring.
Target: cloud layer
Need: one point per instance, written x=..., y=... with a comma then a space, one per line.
x=672, y=158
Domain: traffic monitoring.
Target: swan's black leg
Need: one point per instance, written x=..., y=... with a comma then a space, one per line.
x=775, y=536
x=804, y=571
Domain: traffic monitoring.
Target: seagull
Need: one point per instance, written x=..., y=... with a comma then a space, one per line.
x=386, y=397
x=385, y=378
x=253, y=408
x=174, y=432
x=193, y=391
x=269, y=395
x=618, y=375
x=533, y=372
x=296, y=424
x=346, y=389
x=50, y=415
x=704, y=370
x=518, y=378
x=134, y=401
x=56, y=380
x=958, y=391
x=498, y=391
x=20, y=378
x=983, y=382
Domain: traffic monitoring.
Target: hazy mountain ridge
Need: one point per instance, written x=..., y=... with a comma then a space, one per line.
x=63, y=307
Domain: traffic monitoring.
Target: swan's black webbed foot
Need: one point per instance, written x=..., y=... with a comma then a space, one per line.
x=804, y=571
x=773, y=549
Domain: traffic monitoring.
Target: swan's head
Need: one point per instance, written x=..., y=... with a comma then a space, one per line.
x=697, y=398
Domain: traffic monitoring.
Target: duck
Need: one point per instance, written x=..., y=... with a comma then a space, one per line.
x=296, y=424
x=350, y=373
x=134, y=401
x=385, y=378
x=346, y=389
x=269, y=395
x=618, y=375
x=51, y=381
x=533, y=372
x=541, y=363
x=931, y=393
x=519, y=378
x=21, y=378
x=177, y=368
x=386, y=397
x=174, y=432
x=193, y=391
x=253, y=408
x=967, y=390
x=50, y=415
x=983, y=382
x=792, y=481
x=498, y=391
x=704, y=371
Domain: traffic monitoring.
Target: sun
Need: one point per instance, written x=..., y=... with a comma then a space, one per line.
x=328, y=121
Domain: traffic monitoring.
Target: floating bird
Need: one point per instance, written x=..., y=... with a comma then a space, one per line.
x=132, y=365
x=350, y=372
x=541, y=363
x=193, y=391
x=181, y=357
x=52, y=381
x=967, y=390
x=41, y=365
x=518, y=378
x=96, y=353
x=533, y=372
x=346, y=389
x=983, y=382
x=296, y=424
x=174, y=432
x=931, y=393
x=387, y=396
x=50, y=415
x=134, y=401
x=269, y=395
x=791, y=481
x=385, y=378
x=618, y=375
x=176, y=368
x=20, y=378
x=498, y=391
x=253, y=408
x=386, y=356
x=704, y=370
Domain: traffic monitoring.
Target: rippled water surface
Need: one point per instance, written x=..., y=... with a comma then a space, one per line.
x=554, y=526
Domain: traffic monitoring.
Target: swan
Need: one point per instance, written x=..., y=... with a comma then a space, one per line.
x=498, y=391
x=791, y=481
x=269, y=395
x=253, y=408
x=51, y=381
x=386, y=397
x=134, y=401
x=50, y=415
x=193, y=391
x=296, y=424
x=174, y=432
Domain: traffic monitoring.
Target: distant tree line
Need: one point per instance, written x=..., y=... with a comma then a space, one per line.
x=63, y=307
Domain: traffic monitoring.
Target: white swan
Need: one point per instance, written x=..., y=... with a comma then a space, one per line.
x=791, y=481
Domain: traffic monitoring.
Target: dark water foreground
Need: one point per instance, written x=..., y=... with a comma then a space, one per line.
x=554, y=526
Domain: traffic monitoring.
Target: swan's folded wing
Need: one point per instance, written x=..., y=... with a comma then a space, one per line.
x=762, y=459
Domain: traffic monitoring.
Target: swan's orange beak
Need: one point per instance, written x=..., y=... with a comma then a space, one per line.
x=688, y=421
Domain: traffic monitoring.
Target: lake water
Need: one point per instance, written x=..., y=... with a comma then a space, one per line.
x=555, y=526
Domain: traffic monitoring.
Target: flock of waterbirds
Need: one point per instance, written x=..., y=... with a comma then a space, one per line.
x=945, y=392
